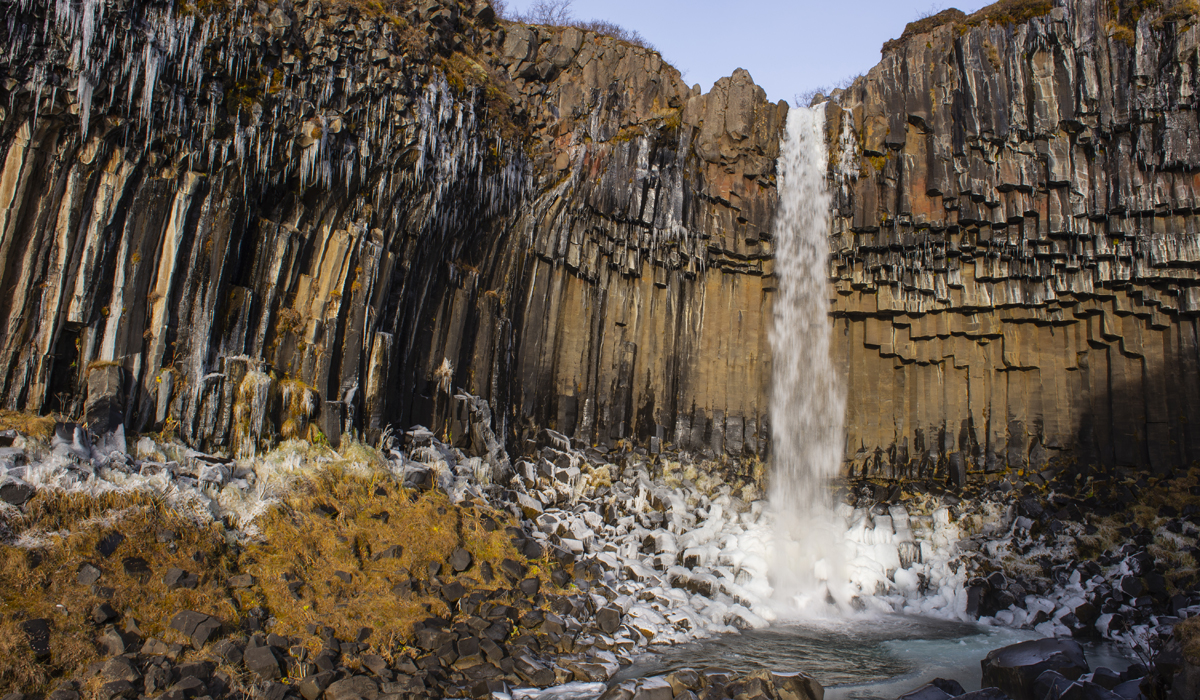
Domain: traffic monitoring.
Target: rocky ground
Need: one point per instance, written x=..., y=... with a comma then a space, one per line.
x=413, y=569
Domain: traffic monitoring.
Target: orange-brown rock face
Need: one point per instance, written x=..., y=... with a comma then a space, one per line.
x=1014, y=243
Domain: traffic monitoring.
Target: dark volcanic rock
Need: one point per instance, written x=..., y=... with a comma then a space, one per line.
x=354, y=688
x=37, y=634
x=1015, y=669
x=262, y=662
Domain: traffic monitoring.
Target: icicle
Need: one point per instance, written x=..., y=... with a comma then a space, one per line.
x=85, y=104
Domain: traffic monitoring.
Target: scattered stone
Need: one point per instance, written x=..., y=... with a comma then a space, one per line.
x=461, y=560
x=15, y=491
x=353, y=688
x=393, y=552
x=103, y=614
x=120, y=668
x=37, y=634
x=609, y=619
x=116, y=689
x=262, y=662
x=87, y=574
x=513, y=569
x=109, y=543
x=136, y=568
x=115, y=642
x=178, y=578
x=229, y=652
x=199, y=627
x=313, y=685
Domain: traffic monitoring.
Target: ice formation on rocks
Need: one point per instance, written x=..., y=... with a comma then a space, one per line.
x=670, y=549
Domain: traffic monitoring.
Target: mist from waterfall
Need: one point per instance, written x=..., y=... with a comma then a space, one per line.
x=808, y=570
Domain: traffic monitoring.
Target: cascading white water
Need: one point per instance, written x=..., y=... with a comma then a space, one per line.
x=807, y=400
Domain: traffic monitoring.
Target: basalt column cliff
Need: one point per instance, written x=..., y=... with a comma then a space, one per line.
x=251, y=221
x=1015, y=241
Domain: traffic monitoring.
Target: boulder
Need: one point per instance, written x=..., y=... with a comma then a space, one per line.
x=15, y=491
x=653, y=688
x=461, y=560
x=37, y=634
x=530, y=506
x=985, y=694
x=116, y=689
x=792, y=686
x=114, y=641
x=262, y=662
x=120, y=668
x=609, y=619
x=1050, y=684
x=87, y=574
x=199, y=627
x=353, y=688
x=1015, y=669
x=1087, y=690
x=314, y=684
x=928, y=691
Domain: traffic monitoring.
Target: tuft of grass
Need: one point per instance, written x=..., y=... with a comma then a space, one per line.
x=1179, y=11
x=1010, y=12
x=33, y=425
x=924, y=25
x=1188, y=634
x=1120, y=32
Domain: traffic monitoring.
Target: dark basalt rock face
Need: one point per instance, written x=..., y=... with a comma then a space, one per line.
x=1014, y=241
x=246, y=223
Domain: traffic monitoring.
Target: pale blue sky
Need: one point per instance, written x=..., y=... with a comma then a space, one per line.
x=789, y=47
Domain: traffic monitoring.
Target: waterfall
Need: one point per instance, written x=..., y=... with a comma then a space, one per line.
x=807, y=400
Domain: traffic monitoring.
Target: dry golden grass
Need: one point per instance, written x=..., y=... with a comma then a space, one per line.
x=331, y=520
x=41, y=581
x=1010, y=12
x=304, y=541
x=35, y=426
x=1188, y=634
x=1166, y=547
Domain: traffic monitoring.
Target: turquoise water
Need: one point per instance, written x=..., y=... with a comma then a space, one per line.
x=861, y=659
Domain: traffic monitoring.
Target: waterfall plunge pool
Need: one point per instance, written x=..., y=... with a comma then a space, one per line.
x=864, y=658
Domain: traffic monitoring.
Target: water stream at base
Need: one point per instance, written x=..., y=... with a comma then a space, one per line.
x=859, y=658
x=808, y=571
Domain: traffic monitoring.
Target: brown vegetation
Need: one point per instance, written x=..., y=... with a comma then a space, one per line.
x=341, y=526
x=58, y=533
x=926, y=24
x=333, y=536
x=1010, y=12
x=35, y=426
